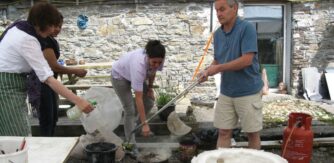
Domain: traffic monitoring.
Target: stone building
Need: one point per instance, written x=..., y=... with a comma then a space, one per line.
x=292, y=34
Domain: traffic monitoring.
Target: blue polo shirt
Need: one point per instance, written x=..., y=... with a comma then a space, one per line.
x=229, y=46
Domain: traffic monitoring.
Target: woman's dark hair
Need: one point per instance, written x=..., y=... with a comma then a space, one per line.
x=154, y=49
x=61, y=19
x=43, y=15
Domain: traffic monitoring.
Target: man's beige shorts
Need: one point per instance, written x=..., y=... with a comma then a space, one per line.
x=248, y=109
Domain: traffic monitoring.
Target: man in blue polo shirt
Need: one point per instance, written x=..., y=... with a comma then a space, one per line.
x=235, y=57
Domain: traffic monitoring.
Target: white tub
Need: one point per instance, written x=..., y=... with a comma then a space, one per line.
x=10, y=147
x=237, y=155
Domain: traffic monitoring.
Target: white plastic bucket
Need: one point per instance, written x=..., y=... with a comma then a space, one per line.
x=237, y=155
x=10, y=148
x=108, y=112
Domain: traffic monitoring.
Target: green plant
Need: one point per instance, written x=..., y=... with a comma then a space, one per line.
x=164, y=94
x=163, y=98
x=165, y=91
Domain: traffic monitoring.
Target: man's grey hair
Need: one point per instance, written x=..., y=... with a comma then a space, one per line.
x=232, y=2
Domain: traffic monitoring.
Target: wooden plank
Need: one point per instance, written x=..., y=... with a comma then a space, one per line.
x=92, y=65
x=84, y=87
x=317, y=142
x=62, y=121
x=91, y=77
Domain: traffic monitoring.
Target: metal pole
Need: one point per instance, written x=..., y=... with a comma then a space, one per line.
x=186, y=91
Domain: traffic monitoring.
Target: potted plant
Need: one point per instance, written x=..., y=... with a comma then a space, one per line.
x=165, y=94
x=162, y=99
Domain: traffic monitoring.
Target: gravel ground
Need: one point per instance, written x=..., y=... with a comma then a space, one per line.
x=276, y=109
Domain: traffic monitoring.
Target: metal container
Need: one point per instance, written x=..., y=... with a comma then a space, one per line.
x=154, y=155
x=188, y=149
x=101, y=152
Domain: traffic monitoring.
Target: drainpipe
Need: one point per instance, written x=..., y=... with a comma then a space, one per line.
x=211, y=17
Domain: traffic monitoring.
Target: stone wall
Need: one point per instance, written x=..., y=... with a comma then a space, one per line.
x=313, y=39
x=184, y=28
x=116, y=29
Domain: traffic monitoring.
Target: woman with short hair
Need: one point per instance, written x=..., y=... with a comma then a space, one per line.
x=135, y=71
x=20, y=53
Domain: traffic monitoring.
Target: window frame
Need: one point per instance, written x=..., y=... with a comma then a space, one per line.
x=287, y=38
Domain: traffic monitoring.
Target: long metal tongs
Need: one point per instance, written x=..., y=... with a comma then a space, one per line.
x=183, y=93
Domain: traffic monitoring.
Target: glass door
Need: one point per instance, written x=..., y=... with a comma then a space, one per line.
x=269, y=23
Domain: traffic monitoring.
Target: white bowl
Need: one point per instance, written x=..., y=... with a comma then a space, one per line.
x=237, y=155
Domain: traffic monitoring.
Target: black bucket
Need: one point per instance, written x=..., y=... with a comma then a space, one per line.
x=101, y=152
x=165, y=113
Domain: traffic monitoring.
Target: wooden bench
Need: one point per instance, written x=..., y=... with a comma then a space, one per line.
x=85, y=87
x=74, y=88
x=103, y=65
x=70, y=80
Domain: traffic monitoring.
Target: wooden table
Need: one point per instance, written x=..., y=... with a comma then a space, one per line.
x=47, y=149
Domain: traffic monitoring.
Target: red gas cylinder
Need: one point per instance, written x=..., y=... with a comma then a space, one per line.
x=298, y=139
